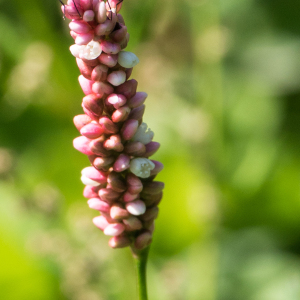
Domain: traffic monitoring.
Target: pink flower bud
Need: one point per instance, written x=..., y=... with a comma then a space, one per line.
x=114, y=229
x=81, y=120
x=71, y=12
x=137, y=100
x=116, y=182
x=114, y=143
x=137, y=113
x=120, y=114
x=93, y=103
x=91, y=130
x=136, y=207
x=84, y=38
x=128, y=88
x=110, y=48
x=79, y=27
x=100, y=87
x=134, y=184
x=114, y=4
x=107, y=26
x=117, y=212
x=97, y=204
x=151, y=148
x=85, y=84
x=143, y=240
x=88, y=16
x=81, y=144
x=103, y=162
x=150, y=214
x=100, y=222
x=101, y=16
x=91, y=191
x=119, y=241
x=84, y=69
x=109, y=60
x=135, y=149
x=87, y=181
x=109, y=195
x=128, y=197
x=128, y=73
x=129, y=129
x=158, y=167
x=153, y=187
x=122, y=163
x=97, y=148
x=86, y=4
x=108, y=126
x=99, y=73
x=119, y=34
x=132, y=223
x=95, y=174
x=116, y=78
x=116, y=100
x=151, y=200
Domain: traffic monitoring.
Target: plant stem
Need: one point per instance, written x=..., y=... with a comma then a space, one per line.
x=141, y=257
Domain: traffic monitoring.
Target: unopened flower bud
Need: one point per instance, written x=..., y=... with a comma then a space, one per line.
x=116, y=100
x=119, y=241
x=94, y=174
x=88, y=16
x=151, y=148
x=81, y=144
x=127, y=59
x=143, y=240
x=114, y=143
x=122, y=163
x=137, y=100
x=92, y=130
x=136, y=207
x=109, y=195
x=114, y=229
x=84, y=39
x=128, y=88
x=79, y=26
x=87, y=181
x=97, y=204
x=120, y=114
x=117, y=212
x=81, y=120
x=132, y=223
x=135, y=149
x=109, y=60
x=100, y=222
x=116, y=78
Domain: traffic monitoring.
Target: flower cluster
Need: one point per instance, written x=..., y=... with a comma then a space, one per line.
x=119, y=184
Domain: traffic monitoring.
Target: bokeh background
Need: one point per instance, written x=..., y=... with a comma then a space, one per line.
x=223, y=79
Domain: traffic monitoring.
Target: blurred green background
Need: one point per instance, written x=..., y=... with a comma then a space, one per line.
x=223, y=79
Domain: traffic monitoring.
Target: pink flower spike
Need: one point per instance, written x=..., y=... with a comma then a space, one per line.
x=116, y=100
x=119, y=241
x=116, y=78
x=100, y=222
x=94, y=174
x=122, y=163
x=114, y=229
x=97, y=204
x=136, y=208
x=81, y=144
x=88, y=16
x=85, y=84
x=138, y=99
x=79, y=27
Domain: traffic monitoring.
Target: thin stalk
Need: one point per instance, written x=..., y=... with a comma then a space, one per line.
x=141, y=258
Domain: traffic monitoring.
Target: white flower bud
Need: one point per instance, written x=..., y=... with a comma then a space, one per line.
x=136, y=208
x=127, y=59
x=141, y=167
x=116, y=78
x=143, y=135
x=76, y=50
x=87, y=181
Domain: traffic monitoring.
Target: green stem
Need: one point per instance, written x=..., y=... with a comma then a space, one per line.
x=141, y=257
